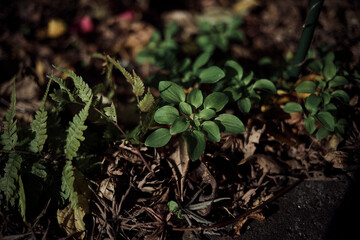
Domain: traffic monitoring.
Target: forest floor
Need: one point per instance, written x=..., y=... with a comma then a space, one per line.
x=274, y=181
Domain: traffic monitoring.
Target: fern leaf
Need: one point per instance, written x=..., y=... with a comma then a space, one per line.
x=68, y=191
x=75, y=132
x=22, y=200
x=111, y=112
x=8, y=184
x=9, y=137
x=85, y=92
x=138, y=87
x=126, y=74
x=38, y=169
x=62, y=86
x=38, y=126
x=146, y=103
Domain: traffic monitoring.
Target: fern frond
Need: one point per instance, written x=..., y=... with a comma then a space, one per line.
x=146, y=103
x=75, y=132
x=85, y=92
x=62, y=86
x=68, y=191
x=138, y=86
x=38, y=169
x=126, y=74
x=9, y=136
x=8, y=183
x=38, y=126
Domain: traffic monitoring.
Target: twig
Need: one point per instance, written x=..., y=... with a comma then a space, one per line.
x=222, y=224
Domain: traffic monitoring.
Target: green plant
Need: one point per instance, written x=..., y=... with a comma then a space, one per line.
x=219, y=35
x=242, y=89
x=196, y=121
x=320, y=106
x=174, y=208
x=161, y=50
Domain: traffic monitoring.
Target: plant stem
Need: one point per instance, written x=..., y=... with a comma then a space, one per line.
x=306, y=37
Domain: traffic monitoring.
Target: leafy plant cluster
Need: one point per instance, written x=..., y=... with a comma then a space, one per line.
x=167, y=54
x=41, y=147
x=320, y=106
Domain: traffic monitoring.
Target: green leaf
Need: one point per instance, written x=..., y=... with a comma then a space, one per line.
x=230, y=123
x=171, y=29
x=341, y=125
x=9, y=137
x=166, y=115
x=306, y=87
x=171, y=92
x=207, y=114
x=342, y=95
x=265, y=85
x=75, y=132
x=216, y=100
x=248, y=78
x=22, y=200
x=310, y=124
x=322, y=133
x=234, y=93
x=316, y=66
x=312, y=103
x=212, y=131
x=329, y=70
x=195, y=142
x=195, y=98
x=234, y=65
x=329, y=107
x=185, y=108
x=326, y=97
x=8, y=183
x=292, y=107
x=211, y=75
x=111, y=112
x=244, y=105
x=173, y=206
x=158, y=138
x=327, y=120
x=179, y=125
x=338, y=81
x=201, y=60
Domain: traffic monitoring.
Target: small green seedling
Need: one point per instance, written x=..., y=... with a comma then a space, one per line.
x=197, y=119
x=320, y=111
x=174, y=208
x=243, y=89
x=218, y=36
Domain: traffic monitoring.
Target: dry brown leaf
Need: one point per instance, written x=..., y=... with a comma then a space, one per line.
x=179, y=164
x=252, y=138
x=268, y=164
x=107, y=189
x=337, y=158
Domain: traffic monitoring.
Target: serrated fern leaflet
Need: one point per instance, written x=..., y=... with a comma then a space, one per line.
x=38, y=126
x=67, y=188
x=85, y=92
x=62, y=85
x=9, y=137
x=8, y=184
x=75, y=132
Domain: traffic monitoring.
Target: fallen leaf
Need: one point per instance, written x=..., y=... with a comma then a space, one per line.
x=251, y=139
x=107, y=189
x=337, y=158
x=268, y=164
x=179, y=164
x=71, y=221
